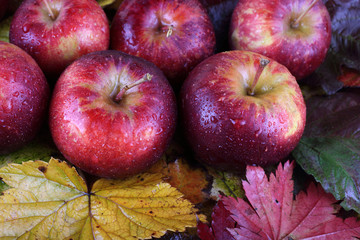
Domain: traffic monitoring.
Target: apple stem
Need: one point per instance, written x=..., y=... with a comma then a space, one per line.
x=169, y=31
x=51, y=14
x=263, y=63
x=295, y=23
x=120, y=95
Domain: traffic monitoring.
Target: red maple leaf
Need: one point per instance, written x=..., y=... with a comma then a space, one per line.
x=274, y=214
x=350, y=77
x=221, y=220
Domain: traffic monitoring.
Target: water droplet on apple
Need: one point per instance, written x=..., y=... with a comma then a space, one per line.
x=233, y=122
x=266, y=149
x=160, y=130
x=257, y=132
x=7, y=108
x=242, y=122
x=25, y=28
x=16, y=94
x=213, y=119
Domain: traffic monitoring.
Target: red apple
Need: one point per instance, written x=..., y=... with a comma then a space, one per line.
x=239, y=111
x=176, y=35
x=295, y=33
x=24, y=95
x=56, y=32
x=103, y=128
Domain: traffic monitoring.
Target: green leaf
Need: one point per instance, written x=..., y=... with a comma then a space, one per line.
x=225, y=183
x=335, y=163
x=330, y=147
x=4, y=29
x=104, y=3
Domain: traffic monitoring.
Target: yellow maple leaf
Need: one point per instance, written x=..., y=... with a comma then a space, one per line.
x=51, y=201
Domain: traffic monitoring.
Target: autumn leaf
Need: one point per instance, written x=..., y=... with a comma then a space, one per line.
x=182, y=176
x=221, y=221
x=104, y=3
x=274, y=214
x=225, y=183
x=110, y=4
x=4, y=29
x=40, y=148
x=51, y=201
x=350, y=77
x=47, y=201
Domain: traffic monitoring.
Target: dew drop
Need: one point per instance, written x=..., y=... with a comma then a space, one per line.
x=213, y=119
x=257, y=132
x=160, y=130
x=25, y=28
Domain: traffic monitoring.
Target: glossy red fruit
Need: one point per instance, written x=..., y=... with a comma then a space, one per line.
x=229, y=127
x=78, y=27
x=267, y=27
x=175, y=35
x=106, y=136
x=24, y=95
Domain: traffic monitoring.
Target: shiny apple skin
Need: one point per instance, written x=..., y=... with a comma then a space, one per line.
x=263, y=26
x=105, y=138
x=81, y=27
x=226, y=127
x=140, y=27
x=24, y=97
